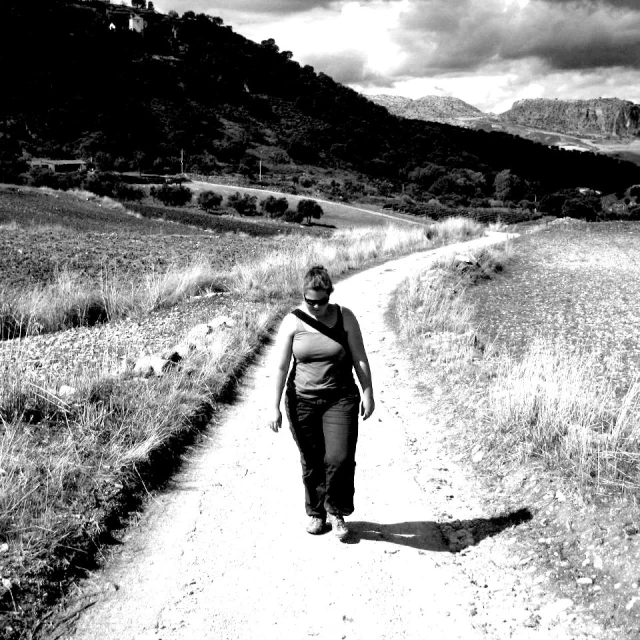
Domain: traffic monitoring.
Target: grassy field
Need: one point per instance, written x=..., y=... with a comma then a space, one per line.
x=539, y=365
x=336, y=216
x=70, y=258
x=577, y=284
x=73, y=468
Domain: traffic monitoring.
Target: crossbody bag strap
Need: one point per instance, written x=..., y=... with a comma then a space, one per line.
x=330, y=332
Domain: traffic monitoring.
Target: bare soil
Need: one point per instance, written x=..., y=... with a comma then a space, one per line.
x=575, y=281
x=56, y=230
x=224, y=554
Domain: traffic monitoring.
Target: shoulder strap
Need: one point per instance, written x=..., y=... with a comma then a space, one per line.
x=336, y=333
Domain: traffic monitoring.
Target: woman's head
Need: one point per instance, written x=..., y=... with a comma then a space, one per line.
x=318, y=279
x=317, y=287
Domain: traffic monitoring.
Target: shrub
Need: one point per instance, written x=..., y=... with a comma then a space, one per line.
x=128, y=192
x=584, y=207
x=527, y=204
x=102, y=183
x=209, y=200
x=40, y=177
x=274, y=207
x=291, y=215
x=172, y=195
x=245, y=204
x=634, y=213
x=310, y=209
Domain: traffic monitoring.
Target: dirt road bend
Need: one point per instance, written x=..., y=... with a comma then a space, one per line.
x=224, y=554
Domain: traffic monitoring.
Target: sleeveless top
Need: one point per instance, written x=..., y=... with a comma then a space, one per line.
x=321, y=366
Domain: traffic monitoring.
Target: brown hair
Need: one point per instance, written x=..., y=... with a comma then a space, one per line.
x=318, y=278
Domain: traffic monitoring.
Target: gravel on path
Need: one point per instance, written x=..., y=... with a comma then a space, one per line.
x=223, y=554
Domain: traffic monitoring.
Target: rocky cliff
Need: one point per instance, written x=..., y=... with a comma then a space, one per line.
x=608, y=117
x=430, y=108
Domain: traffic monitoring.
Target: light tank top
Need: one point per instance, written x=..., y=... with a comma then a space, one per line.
x=321, y=366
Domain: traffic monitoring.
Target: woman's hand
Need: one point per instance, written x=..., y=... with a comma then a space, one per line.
x=274, y=422
x=367, y=406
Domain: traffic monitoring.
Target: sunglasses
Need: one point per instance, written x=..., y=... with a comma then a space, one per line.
x=317, y=303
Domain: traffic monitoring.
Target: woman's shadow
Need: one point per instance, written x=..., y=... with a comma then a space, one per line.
x=428, y=535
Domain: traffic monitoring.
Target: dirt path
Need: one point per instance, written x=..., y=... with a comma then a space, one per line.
x=224, y=554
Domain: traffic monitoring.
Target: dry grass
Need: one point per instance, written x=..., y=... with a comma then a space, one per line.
x=430, y=313
x=65, y=466
x=550, y=404
x=346, y=250
x=71, y=300
x=553, y=402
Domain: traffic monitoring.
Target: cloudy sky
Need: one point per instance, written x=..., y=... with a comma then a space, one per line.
x=488, y=53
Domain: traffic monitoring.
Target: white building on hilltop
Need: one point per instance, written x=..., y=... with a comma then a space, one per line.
x=137, y=23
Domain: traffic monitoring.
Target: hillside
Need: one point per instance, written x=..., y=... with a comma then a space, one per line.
x=443, y=109
x=601, y=117
x=191, y=94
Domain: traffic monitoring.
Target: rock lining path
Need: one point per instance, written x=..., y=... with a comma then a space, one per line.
x=224, y=553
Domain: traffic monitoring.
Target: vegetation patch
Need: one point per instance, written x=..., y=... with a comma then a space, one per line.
x=74, y=463
x=546, y=407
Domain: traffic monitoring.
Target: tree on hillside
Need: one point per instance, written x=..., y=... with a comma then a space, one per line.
x=209, y=200
x=586, y=207
x=274, y=207
x=172, y=195
x=310, y=209
x=552, y=203
x=509, y=186
x=245, y=204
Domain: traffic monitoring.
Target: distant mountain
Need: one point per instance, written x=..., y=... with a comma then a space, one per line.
x=603, y=125
x=601, y=117
x=430, y=108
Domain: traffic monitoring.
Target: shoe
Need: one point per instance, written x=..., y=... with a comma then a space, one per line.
x=315, y=525
x=338, y=526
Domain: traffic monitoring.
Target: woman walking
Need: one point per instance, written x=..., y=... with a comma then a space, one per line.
x=322, y=398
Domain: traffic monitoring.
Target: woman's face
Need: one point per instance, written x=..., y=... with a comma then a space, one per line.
x=316, y=301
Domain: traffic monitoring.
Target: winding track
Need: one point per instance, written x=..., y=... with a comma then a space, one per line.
x=224, y=554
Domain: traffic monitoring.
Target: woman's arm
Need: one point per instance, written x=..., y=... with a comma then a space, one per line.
x=360, y=362
x=282, y=355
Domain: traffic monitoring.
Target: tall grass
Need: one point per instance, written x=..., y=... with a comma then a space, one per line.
x=346, y=250
x=62, y=461
x=430, y=312
x=554, y=404
x=70, y=300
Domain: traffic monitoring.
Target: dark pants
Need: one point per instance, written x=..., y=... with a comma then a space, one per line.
x=326, y=432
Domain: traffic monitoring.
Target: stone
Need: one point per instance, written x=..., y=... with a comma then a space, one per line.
x=151, y=365
x=65, y=391
x=552, y=610
x=177, y=353
x=222, y=321
x=198, y=333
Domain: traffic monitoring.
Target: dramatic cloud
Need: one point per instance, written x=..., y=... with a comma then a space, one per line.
x=443, y=37
x=487, y=52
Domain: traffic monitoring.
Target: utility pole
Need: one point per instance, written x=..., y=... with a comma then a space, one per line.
x=260, y=170
x=182, y=161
